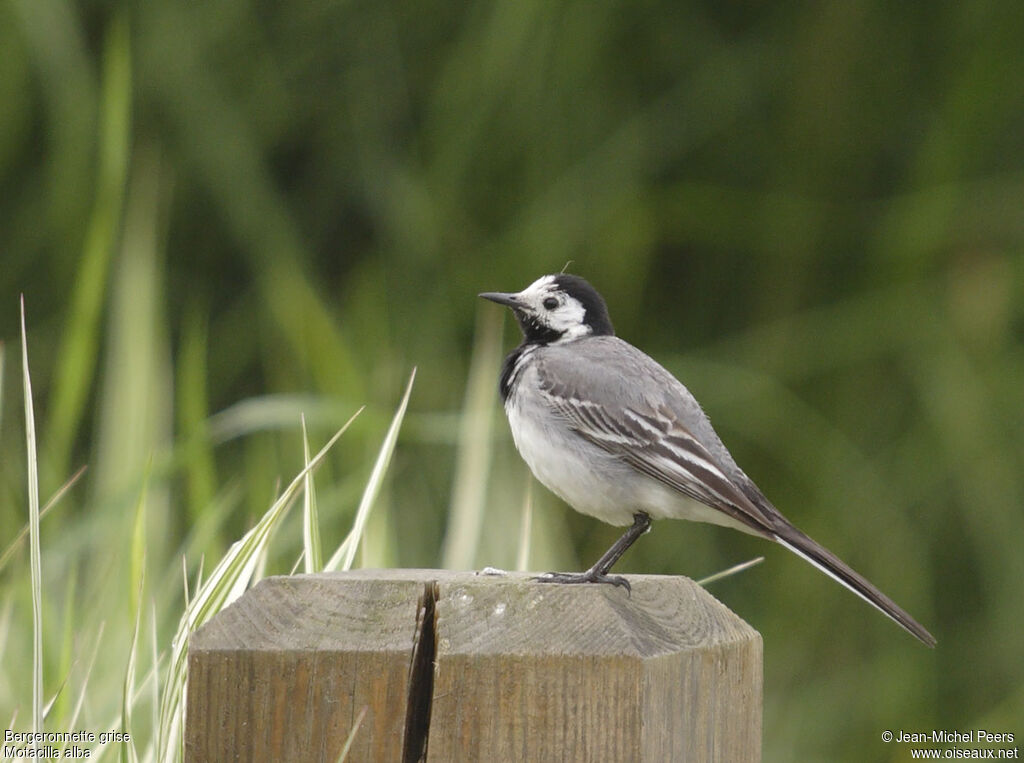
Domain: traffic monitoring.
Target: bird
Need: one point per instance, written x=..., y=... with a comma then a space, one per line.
x=615, y=435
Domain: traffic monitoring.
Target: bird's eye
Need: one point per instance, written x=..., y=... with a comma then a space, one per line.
x=550, y=303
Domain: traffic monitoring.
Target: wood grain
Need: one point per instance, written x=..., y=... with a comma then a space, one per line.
x=517, y=670
x=282, y=674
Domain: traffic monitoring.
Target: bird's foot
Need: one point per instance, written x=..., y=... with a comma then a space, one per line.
x=590, y=576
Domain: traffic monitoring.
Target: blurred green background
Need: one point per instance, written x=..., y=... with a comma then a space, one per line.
x=224, y=215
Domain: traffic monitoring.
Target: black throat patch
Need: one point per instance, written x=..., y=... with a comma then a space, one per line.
x=534, y=331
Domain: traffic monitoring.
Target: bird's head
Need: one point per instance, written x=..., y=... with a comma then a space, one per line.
x=557, y=308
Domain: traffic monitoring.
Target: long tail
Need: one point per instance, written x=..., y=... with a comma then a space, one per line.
x=805, y=547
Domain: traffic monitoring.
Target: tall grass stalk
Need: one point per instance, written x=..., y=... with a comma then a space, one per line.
x=312, y=552
x=35, y=563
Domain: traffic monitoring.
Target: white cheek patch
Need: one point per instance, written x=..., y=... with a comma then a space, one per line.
x=567, y=319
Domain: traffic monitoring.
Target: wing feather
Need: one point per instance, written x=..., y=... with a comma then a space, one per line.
x=656, y=443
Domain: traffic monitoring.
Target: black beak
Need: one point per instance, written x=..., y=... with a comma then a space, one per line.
x=510, y=300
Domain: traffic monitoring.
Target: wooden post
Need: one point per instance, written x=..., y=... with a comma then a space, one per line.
x=455, y=666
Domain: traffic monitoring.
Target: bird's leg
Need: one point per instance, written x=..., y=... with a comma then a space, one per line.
x=599, y=572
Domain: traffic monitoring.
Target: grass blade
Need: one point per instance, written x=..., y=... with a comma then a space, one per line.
x=15, y=544
x=35, y=562
x=731, y=571
x=473, y=456
x=67, y=651
x=313, y=556
x=128, y=751
x=48, y=707
x=523, y=555
x=155, y=656
x=137, y=553
x=352, y=735
x=72, y=723
x=342, y=558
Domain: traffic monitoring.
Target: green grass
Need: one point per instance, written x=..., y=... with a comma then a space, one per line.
x=159, y=738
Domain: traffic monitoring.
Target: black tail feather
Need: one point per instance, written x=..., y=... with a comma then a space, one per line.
x=838, y=570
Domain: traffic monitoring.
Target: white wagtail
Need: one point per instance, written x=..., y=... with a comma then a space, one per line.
x=616, y=436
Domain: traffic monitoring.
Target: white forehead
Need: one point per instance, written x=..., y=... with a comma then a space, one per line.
x=542, y=287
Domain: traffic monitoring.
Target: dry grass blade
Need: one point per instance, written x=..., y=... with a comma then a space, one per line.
x=312, y=551
x=731, y=571
x=15, y=544
x=352, y=734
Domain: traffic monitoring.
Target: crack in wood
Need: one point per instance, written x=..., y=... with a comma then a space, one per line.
x=421, y=678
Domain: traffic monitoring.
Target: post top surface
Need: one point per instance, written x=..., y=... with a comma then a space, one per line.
x=375, y=610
